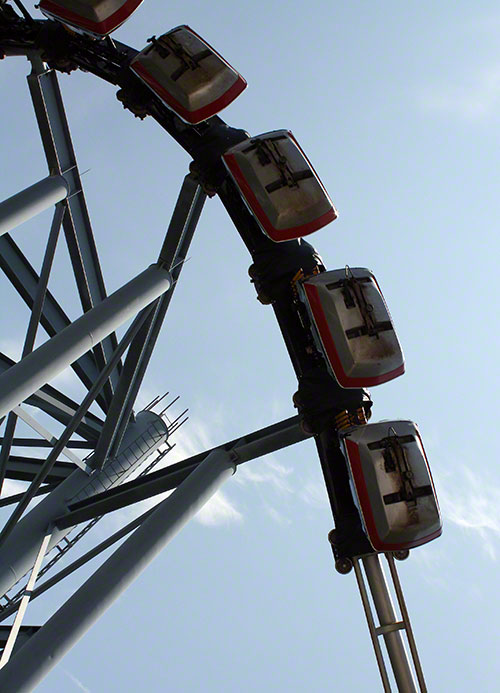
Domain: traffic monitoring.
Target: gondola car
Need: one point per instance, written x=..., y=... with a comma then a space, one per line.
x=96, y=17
x=279, y=185
x=352, y=326
x=188, y=75
x=393, y=484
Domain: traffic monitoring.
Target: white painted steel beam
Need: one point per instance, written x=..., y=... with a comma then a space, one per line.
x=41, y=430
x=44, y=650
x=43, y=364
x=59, y=406
x=28, y=203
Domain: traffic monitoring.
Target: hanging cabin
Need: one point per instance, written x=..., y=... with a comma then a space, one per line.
x=352, y=327
x=279, y=185
x=188, y=75
x=392, y=484
x=96, y=17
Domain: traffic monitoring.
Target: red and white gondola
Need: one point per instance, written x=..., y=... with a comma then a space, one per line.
x=393, y=485
x=96, y=17
x=352, y=327
x=279, y=185
x=188, y=75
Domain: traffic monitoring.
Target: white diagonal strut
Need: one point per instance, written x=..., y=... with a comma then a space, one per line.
x=36, y=426
x=11, y=640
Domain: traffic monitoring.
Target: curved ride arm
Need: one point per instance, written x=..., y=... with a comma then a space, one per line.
x=319, y=398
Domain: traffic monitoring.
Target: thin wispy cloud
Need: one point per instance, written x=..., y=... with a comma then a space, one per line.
x=313, y=493
x=472, y=502
x=476, y=97
x=281, y=407
x=192, y=438
x=219, y=511
x=266, y=471
x=277, y=516
x=430, y=559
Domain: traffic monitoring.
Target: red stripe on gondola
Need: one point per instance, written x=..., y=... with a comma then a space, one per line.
x=331, y=351
x=365, y=505
x=273, y=233
x=102, y=28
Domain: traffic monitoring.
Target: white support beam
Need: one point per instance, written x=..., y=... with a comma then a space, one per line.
x=44, y=650
x=36, y=426
x=35, y=370
x=26, y=204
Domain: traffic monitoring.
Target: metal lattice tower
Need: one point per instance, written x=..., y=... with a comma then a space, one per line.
x=120, y=442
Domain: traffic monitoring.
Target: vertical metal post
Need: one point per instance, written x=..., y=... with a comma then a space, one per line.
x=76, y=616
x=387, y=617
x=406, y=619
x=371, y=627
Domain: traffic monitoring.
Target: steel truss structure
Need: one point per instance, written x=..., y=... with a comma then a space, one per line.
x=119, y=442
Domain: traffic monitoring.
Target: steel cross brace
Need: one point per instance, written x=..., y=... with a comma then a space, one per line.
x=78, y=563
x=38, y=443
x=249, y=447
x=88, y=603
x=36, y=313
x=26, y=468
x=172, y=256
x=36, y=426
x=53, y=319
x=17, y=497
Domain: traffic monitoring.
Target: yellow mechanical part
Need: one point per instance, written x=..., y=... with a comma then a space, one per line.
x=346, y=419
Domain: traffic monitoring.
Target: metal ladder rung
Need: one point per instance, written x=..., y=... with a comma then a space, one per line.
x=390, y=627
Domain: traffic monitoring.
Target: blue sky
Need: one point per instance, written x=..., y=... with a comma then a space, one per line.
x=397, y=106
